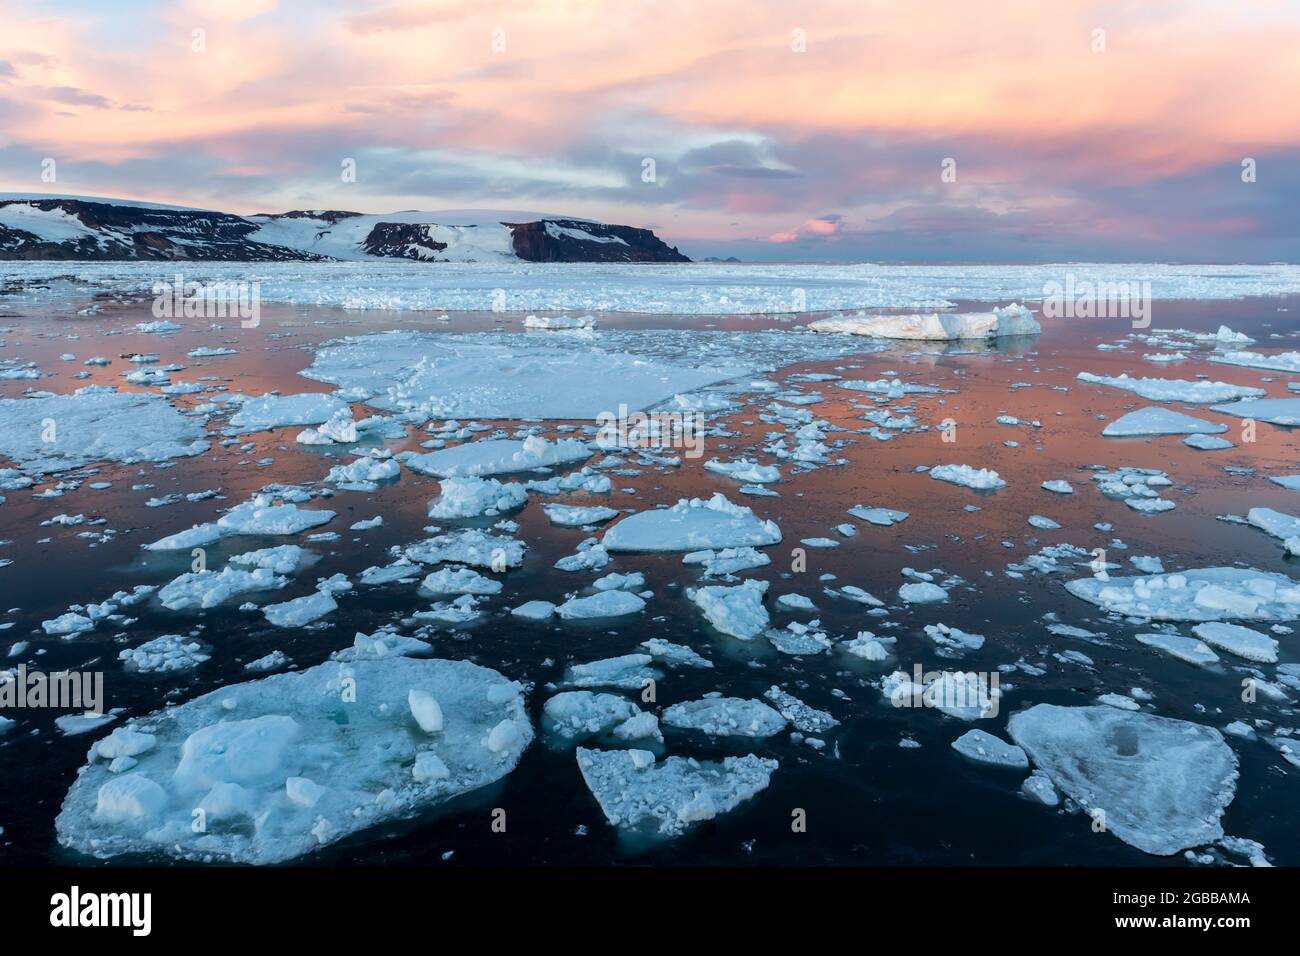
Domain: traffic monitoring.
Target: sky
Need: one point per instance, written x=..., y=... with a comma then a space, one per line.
x=775, y=130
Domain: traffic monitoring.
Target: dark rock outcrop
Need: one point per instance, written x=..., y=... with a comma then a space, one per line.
x=580, y=240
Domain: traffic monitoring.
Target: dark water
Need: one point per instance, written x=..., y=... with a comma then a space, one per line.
x=867, y=800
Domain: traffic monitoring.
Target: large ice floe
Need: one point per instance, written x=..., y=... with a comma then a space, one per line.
x=1013, y=319
x=1154, y=420
x=496, y=456
x=646, y=797
x=1277, y=411
x=691, y=525
x=1202, y=594
x=1278, y=362
x=53, y=433
x=1161, y=784
x=505, y=375
x=283, y=411
x=275, y=768
x=1174, y=389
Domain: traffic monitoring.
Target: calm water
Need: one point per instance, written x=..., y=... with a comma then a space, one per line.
x=867, y=800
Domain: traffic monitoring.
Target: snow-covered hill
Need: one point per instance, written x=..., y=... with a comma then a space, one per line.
x=35, y=227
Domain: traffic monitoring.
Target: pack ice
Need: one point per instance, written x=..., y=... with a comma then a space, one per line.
x=454, y=376
x=692, y=525
x=1162, y=783
x=283, y=765
x=54, y=433
x=1202, y=594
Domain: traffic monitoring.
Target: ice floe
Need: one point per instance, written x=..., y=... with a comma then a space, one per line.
x=663, y=798
x=725, y=717
x=692, y=524
x=54, y=433
x=1175, y=389
x=1010, y=320
x=278, y=767
x=735, y=611
x=1202, y=594
x=495, y=456
x=1154, y=420
x=1161, y=784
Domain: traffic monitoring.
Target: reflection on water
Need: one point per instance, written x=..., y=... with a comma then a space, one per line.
x=867, y=800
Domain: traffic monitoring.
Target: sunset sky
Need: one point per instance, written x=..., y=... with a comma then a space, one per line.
x=1062, y=150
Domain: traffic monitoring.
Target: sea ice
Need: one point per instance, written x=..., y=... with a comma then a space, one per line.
x=1241, y=641
x=640, y=794
x=94, y=424
x=471, y=497
x=1010, y=320
x=575, y=516
x=301, y=610
x=1184, y=648
x=1278, y=411
x=725, y=717
x=1153, y=420
x=602, y=604
x=1162, y=783
x=983, y=747
x=736, y=611
x=345, y=728
x=980, y=479
x=282, y=411
x=496, y=456
x=1175, y=389
x=1202, y=594
x=692, y=524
